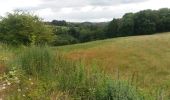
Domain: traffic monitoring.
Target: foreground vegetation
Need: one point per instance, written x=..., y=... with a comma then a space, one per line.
x=40, y=73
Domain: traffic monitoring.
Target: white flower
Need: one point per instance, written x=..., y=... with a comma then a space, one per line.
x=3, y=88
x=30, y=79
x=32, y=83
x=16, y=78
x=23, y=95
x=4, y=84
x=8, y=83
x=19, y=90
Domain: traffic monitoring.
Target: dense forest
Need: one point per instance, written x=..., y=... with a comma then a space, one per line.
x=23, y=28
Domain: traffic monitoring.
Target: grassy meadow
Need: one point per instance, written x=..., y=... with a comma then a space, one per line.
x=142, y=59
x=42, y=73
x=126, y=68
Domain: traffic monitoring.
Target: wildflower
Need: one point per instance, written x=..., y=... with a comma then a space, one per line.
x=4, y=84
x=16, y=78
x=8, y=83
x=19, y=90
x=30, y=79
x=32, y=83
x=23, y=95
x=11, y=72
x=3, y=88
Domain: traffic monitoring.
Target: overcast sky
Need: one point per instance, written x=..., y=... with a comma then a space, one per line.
x=81, y=10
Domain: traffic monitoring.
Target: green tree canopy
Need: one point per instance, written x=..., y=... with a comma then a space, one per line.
x=112, y=28
x=140, y=23
x=126, y=26
x=23, y=28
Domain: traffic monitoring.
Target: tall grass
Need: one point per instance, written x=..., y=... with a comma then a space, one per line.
x=55, y=73
x=37, y=61
x=93, y=84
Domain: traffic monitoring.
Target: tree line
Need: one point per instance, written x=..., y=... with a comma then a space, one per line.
x=140, y=23
x=23, y=28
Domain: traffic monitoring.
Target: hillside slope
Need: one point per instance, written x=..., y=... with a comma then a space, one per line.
x=143, y=59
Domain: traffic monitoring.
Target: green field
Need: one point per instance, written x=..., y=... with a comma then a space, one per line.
x=145, y=60
x=136, y=67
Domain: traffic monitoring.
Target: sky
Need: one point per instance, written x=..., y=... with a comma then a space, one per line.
x=81, y=10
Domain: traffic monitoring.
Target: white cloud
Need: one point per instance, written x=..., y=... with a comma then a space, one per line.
x=86, y=9
x=66, y=10
x=81, y=10
x=45, y=12
x=10, y=5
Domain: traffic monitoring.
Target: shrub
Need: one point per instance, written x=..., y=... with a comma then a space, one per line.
x=22, y=28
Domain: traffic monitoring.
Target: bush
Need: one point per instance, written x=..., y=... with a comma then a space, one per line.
x=22, y=28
